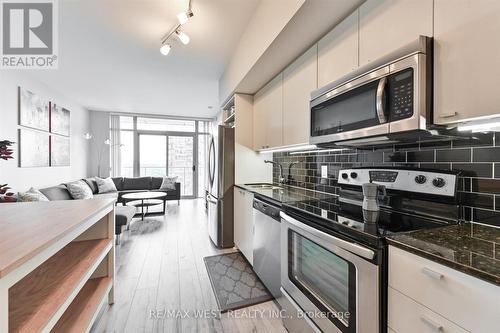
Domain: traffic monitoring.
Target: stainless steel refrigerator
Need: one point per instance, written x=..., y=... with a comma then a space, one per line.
x=220, y=187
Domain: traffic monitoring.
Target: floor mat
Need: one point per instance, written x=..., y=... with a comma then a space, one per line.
x=234, y=282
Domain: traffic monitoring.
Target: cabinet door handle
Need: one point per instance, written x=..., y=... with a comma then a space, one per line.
x=448, y=115
x=432, y=274
x=432, y=324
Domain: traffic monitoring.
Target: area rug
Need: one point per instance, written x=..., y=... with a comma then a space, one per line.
x=234, y=282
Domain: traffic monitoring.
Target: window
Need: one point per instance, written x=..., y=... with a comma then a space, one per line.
x=126, y=123
x=166, y=125
x=127, y=154
x=159, y=147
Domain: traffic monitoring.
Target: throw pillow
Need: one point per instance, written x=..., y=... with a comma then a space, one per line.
x=79, y=190
x=31, y=195
x=105, y=185
x=92, y=184
x=168, y=183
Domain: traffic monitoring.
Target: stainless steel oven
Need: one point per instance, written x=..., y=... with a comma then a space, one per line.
x=329, y=284
x=387, y=97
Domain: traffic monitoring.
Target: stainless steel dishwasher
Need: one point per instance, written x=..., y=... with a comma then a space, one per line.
x=266, y=244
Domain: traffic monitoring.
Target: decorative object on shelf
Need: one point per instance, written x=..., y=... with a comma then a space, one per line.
x=59, y=151
x=34, y=111
x=34, y=148
x=183, y=18
x=59, y=120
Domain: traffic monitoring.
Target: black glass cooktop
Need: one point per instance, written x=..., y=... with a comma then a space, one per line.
x=335, y=215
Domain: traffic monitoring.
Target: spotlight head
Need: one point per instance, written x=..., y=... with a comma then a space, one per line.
x=165, y=49
x=184, y=38
x=184, y=17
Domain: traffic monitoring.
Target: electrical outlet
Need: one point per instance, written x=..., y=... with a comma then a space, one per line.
x=324, y=213
x=324, y=171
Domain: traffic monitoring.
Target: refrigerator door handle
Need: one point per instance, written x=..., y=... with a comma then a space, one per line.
x=211, y=162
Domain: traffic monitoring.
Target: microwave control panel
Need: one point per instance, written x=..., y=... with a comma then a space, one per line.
x=401, y=94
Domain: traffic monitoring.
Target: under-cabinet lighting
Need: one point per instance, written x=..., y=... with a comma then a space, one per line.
x=484, y=125
x=289, y=148
x=317, y=151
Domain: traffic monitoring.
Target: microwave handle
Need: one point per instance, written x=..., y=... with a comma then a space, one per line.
x=380, y=100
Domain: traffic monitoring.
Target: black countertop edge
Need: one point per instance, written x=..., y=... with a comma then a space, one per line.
x=277, y=195
x=494, y=279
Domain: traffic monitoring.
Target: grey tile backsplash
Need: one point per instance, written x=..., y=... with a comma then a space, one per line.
x=477, y=160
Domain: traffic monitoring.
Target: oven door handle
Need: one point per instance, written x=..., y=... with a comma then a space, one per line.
x=380, y=100
x=348, y=246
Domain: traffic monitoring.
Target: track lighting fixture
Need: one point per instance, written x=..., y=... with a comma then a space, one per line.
x=183, y=37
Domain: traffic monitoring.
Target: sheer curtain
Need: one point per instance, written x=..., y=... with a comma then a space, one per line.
x=115, y=150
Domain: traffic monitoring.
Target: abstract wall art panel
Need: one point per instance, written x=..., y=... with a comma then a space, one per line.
x=59, y=120
x=33, y=148
x=60, y=151
x=33, y=110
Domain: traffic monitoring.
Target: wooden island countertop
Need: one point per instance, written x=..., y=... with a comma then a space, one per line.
x=27, y=228
x=56, y=264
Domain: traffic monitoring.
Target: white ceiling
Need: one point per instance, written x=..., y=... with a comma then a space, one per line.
x=109, y=57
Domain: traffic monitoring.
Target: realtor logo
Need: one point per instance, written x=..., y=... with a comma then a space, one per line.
x=29, y=34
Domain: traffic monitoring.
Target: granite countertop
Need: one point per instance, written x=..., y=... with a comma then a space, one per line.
x=468, y=247
x=286, y=194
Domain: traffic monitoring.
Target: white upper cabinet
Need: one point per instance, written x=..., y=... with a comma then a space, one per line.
x=386, y=25
x=466, y=59
x=338, y=51
x=268, y=115
x=299, y=79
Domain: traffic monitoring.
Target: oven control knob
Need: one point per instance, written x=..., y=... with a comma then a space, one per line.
x=438, y=182
x=354, y=175
x=420, y=179
x=344, y=175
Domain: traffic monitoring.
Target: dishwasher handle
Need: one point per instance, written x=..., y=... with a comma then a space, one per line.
x=267, y=209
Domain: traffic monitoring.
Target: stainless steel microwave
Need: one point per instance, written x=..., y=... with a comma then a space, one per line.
x=378, y=102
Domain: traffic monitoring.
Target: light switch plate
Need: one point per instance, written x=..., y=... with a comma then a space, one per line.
x=324, y=213
x=324, y=171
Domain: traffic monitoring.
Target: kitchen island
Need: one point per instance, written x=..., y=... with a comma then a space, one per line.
x=56, y=264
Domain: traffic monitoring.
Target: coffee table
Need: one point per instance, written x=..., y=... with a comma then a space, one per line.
x=147, y=199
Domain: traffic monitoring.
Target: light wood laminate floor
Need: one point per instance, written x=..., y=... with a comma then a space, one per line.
x=160, y=274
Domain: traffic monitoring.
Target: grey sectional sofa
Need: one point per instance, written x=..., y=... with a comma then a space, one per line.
x=130, y=185
x=123, y=213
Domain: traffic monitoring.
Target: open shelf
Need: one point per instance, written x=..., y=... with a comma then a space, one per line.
x=80, y=314
x=41, y=297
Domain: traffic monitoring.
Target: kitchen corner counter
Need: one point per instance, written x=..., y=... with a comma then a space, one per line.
x=471, y=248
x=286, y=194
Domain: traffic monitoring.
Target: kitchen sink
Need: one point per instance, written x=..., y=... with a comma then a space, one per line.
x=264, y=186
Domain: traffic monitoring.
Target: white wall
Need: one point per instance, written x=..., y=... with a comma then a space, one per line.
x=21, y=179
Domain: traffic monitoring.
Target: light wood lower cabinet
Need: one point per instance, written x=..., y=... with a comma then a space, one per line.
x=56, y=264
x=468, y=302
x=243, y=222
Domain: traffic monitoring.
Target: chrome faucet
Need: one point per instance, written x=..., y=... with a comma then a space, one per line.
x=281, y=179
x=290, y=178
